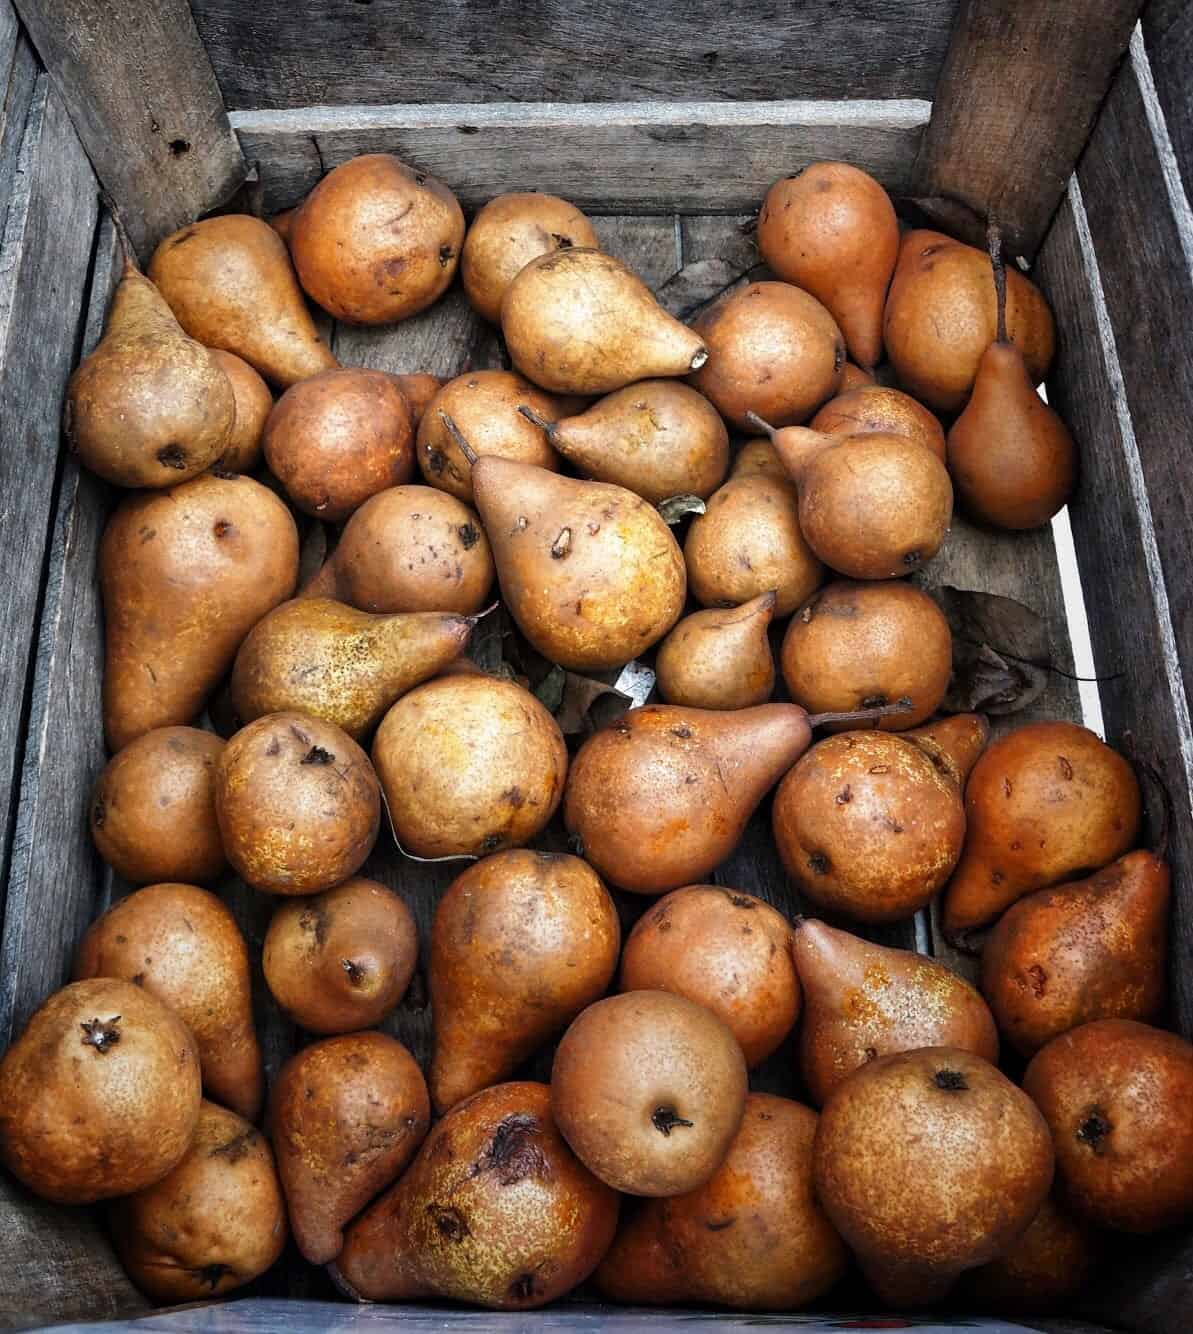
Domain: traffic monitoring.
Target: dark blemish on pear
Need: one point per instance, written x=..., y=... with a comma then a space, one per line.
x=222, y=528
x=102, y=1034
x=818, y=863
x=172, y=456
x=211, y=1274
x=469, y=536
x=513, y=1153
x=1094, y=1130
x=522, y=1288
x=845, y=796
x=237, y=1147
x=356, y=972
x=99, y=814
x=682, y=732
x=951, y=1081
x=491, y=842
x=1066, y=768
x=445, y=255
x=720, y=1225
x=317, y=755
x=449, y=1223
x=741, y=901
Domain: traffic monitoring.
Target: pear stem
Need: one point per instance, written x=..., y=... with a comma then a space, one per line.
x=764, y=426
x=538, y=420
x=994, y=246
x=859, y=715
x=126, y=245
x=458, y=436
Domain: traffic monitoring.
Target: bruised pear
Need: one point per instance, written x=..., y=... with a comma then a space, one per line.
x=720, y=659
x=1092, y=949
x=346, y=1116
x=929, y=1163
x=577, y=321
x=521, y=943
x=254, y=403
x=99, y=1095
x=1046, y=802
x=751, y=1238
x=1041, y=1271
x=725, y=950
x=230, y=284
x=183, y=946
x=185, y=574
x=328, y=660
x=877, y=409
x=863, y=1001
x=649, y=1088
x=495, y=1211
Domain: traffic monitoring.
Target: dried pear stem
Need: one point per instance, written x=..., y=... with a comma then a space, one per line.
x=994, y=246
x=540, y=421
x=764, y=426
x=458, y=436
x=857, y=715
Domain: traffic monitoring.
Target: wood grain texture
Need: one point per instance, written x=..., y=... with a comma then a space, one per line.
x=145, y=103
x=1020, y=87
x=1168, y=33
x=18, y=75
x=640, y=157
x=283, y=53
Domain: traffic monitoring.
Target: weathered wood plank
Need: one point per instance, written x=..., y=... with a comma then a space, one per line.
x=639, y=157
x=1168, y=33
x=19, y=78
x=1020, y=87
x=145, y=103
x=278, y=53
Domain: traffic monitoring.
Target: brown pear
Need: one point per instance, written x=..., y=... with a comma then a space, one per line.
x=326, y=659
x=149, y=406
x=215, y=1223
x=869, y=825
x=853, y=377
x=877, y=409
x=1116, y=1095
x=649, y=1089
x=1011, y=457
x=661, y=796
x=341, y=960
x=183, y=946
x=748, y=540
x=940, y=318
x=577, y=321
x=185, y=574
x=346, y=1115
x=507, y=234
x=758, y=457
x=953, y=744
x=230, y=284
x=722, y=949
x=657, y=438
x=1091, y=949
x=470, y=764
x=772, y=349
x=863, y=1001
x=1045, y=803
x=752, y=1238
x=831, y=229
x=590, y=571
x=420, y=387
x=859, y=645
x=720, y=659
x=521, y=943
x=929, y=1163
x=254, y=402
x=409, y=548
x=496, y=1210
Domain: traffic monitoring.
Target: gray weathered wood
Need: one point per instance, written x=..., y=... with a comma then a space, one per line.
x=1021, y=85
x=18, y=74
x=286, y=53
x=145, y=103
x=637, y=157
x=1168, y=32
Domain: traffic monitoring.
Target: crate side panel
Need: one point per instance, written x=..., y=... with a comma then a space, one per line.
x=1168, y=34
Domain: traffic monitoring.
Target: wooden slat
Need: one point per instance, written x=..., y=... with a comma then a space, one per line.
x=638, y=157
x=1021, y=85
x=1168, y=32
x=145, y=103
x=287, y=53
x=18, y=74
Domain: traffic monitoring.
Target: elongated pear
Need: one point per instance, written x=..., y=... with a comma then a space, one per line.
x=230, y=284
x=1011, y=457
x=1091, y=949
x=324, y=658
x=863, y=1001
x=577, y=321
x=149, y=407
x=657, y=438
x=590, y=571
x=185, y=574
x=720, y=658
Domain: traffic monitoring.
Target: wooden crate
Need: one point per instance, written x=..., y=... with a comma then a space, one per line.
x=668, y=120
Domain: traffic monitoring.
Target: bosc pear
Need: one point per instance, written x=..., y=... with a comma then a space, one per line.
x=230, y=284
x=720, y=658
x=326, y=659
x=577, y=321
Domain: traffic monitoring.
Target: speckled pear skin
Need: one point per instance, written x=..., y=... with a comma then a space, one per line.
x=720, y=658
x=863, y=1001
x=868, y=409
x=496, y=1211
x=953, y=744
x=1050, y=1263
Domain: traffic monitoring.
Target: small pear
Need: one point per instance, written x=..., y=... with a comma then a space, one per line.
x=831, y=229
x=1040, y=1272
x=1012, y=459
x=230, y=284
x=149, y=407
x=1091, y=949
x=953, y=744
x=183, y=946
x=254, y=403
x=758, y=457
x=1044, y=803
x=326, y=659
x=577, y=321
x=720, y=659
x=853, y=377
x=876, y=408
x=657, y=438
x=521, y=943
x=863, y=1001
x=590, y=571
x=420, y=387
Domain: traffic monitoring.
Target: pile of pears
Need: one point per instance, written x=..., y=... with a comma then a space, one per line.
x=269, y=725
